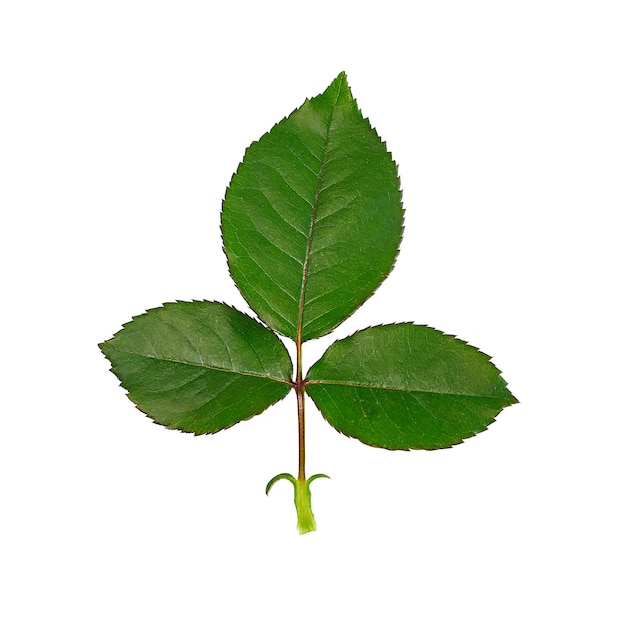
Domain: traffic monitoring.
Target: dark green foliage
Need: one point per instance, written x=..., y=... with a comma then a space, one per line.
x=311, y=225
x=312, y=219
x=199, y=366
x=404, y=386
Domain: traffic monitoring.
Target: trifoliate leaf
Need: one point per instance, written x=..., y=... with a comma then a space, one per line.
x=199, y=367
x=405, y=386
x=312, y=219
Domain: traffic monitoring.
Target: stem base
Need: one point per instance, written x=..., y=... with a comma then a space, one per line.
x=302, y=499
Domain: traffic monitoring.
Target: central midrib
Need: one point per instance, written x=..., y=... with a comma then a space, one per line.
x=205, y=366
x=381, y=387
x=305, y=269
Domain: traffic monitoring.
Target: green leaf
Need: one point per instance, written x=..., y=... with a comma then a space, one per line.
x=312, y=220
x=199, y=367
x=404, y=386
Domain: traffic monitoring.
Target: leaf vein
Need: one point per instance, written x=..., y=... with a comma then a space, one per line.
x=204, y=366
x=387, y=388
x=313, y=216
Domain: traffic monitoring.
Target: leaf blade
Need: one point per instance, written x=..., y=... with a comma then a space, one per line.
x=312, y=219
x=199, y=366
x=405, y=386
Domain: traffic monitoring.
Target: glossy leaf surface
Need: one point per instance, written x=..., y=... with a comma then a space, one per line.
x=199, y=367
x=405, y=386
x=312, y=219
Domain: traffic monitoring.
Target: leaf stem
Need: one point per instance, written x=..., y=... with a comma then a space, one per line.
x=302, y=486
x=300, y=398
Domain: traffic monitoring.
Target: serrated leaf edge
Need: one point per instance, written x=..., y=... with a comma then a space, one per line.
x=513, y=399
x=403, y=212
x=288, y=383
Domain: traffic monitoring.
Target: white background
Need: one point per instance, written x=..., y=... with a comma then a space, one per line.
x=121, y=124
